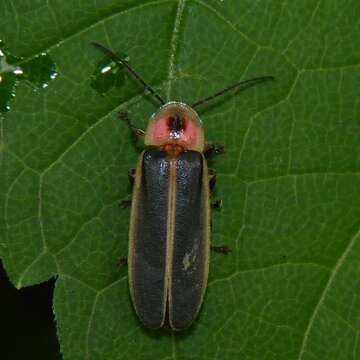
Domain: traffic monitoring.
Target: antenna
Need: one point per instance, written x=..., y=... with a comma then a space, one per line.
x=249, y=83
x=123, y=62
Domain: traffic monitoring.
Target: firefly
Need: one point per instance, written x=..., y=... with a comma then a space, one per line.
x=170, y=222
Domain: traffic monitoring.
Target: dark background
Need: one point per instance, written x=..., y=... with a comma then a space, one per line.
x=27, y=322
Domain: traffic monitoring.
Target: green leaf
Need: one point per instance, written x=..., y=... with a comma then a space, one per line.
x=289, y=180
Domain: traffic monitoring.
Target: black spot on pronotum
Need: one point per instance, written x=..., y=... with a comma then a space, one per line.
x=176, y=123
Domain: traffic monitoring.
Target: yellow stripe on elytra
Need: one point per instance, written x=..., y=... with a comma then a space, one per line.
x=170, y=231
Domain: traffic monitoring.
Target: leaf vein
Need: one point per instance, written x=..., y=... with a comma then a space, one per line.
x=89, y=27
x=174, y=45
x=222, y=17
x=271, y=266
x=303, y=28
x=323, y=294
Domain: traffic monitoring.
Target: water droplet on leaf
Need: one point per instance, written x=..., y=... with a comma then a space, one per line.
x=39, y=71
x=108, y=75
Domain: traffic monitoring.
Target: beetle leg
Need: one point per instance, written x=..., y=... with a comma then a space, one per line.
x=212, y=178
x=124, y=116
x=212, y=181
x=125, y=204
x=223, y=249
x=131, y=175
x=123, y=261
x=212, y=150
x=217, y=204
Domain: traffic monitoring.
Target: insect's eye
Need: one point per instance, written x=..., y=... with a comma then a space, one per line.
x=176, y=123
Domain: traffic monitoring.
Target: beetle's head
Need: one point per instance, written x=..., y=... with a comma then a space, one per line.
x=175, y=125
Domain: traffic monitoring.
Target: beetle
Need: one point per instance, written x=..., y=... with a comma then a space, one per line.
x=170, y=223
